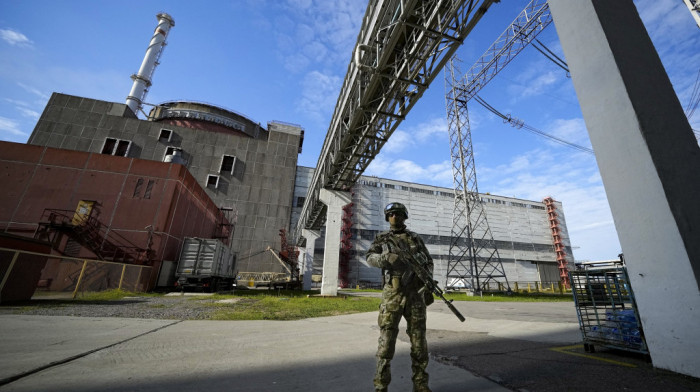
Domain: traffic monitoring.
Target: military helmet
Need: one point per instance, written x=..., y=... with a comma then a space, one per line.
x=395, y=207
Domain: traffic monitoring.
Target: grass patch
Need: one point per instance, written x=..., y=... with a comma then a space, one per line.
x=513, y=297
x=260, y=305
x=495, y=297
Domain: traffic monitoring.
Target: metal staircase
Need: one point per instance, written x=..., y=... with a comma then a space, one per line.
x=88, y=233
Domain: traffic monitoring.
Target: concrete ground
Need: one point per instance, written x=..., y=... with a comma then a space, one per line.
x=501, y=347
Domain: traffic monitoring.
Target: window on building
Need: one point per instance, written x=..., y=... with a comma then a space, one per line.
x=228, y=162
x=116, y=147
x=109, y=145
x=137, y=188
x=171, y=151
x=300, y=201
x=212, y=181
x=165, y=135
x=123, y=148
x=149, y=188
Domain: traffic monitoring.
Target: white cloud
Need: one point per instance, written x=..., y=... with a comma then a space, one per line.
x=24, y=108
x=439, y=174
x=379, y=167
x=433, y=130
x=34, y=91
x=571, y=130
x=319, y=93
x=399, y=141
x=571, y=178
x=318, y=34
x=538, y=85
x=11, y=126
x=15, y=38
x=29, y=113
x=437, y=127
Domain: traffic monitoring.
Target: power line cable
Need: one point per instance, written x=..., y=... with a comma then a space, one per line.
x=520, y=124
x=694, y=98
x=551, y=56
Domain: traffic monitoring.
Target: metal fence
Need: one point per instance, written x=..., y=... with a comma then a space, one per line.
x=540, y=287
x=70, y=276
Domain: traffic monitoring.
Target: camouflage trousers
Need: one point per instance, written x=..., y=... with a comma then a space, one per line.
x=394, y=306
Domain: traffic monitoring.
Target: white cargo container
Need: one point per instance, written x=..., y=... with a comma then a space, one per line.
x=206, y=264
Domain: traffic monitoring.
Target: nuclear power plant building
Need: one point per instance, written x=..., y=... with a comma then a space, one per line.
x=522, y=230
x=247, y=170
x=243, y=180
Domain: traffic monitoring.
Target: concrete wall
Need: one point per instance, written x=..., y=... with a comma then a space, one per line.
x=519, y=227
x=259, y=190
x=650, y=165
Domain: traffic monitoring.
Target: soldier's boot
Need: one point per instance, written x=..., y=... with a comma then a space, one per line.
x=419, y=362
x=420, y=377
x=382, y=377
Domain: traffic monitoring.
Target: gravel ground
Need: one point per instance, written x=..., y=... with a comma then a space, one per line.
x=167, y=308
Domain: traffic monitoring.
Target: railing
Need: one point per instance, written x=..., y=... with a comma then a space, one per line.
x=98, y=238
x=68, y=276
x=530, y=287
x=253, y=279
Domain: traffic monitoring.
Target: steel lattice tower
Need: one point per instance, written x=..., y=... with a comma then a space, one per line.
x=474, y=260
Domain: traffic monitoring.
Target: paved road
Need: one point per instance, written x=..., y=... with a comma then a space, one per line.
x=501, y=347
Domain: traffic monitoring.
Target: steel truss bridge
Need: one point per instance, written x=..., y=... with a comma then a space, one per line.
x=402, y=46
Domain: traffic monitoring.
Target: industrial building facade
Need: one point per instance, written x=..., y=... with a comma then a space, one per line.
x=247, y=171
x=244, y=181
x=522, y=229
x=130, y=210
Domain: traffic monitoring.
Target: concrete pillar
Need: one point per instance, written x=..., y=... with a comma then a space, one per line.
x=334, y=200
x=307, y=267
x=650, y=165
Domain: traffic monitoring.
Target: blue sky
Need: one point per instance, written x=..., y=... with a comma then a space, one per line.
x=286, y=60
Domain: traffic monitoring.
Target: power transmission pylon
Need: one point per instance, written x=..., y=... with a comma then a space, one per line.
x=474, y=261
x=694, y=8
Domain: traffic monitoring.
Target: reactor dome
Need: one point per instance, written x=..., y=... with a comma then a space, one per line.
x=198, y=115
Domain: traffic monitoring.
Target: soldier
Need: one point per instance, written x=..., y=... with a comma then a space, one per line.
x=403, y=294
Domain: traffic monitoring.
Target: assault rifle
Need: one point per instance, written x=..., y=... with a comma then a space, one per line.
x=418, y=263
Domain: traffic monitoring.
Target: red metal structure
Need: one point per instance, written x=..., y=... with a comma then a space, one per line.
x=289, y=255
x=345, y=245
x=90, y=233
x=146, y=208
x=558, y=244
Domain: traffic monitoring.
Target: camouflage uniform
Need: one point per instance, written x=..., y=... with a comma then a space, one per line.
x=400, y=297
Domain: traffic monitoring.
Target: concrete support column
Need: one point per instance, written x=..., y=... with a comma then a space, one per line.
x=650, y=165
x=307, y=267
x=334, y=200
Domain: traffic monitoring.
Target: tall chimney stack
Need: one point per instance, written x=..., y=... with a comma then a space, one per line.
x=142, y=80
